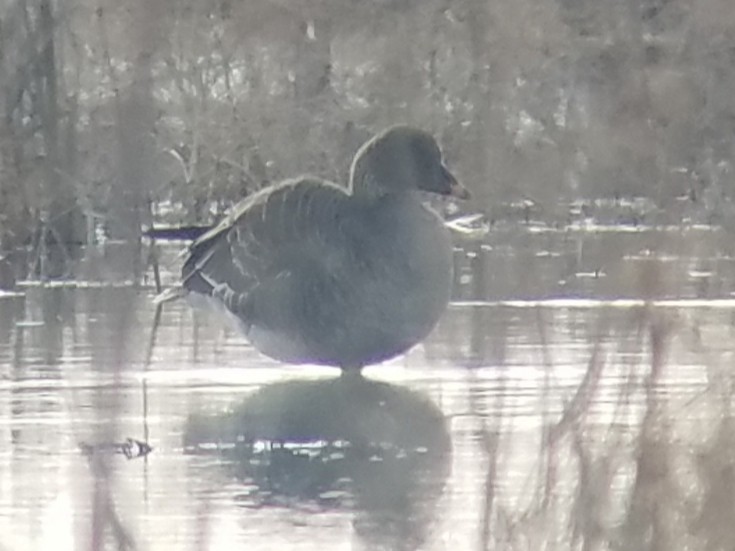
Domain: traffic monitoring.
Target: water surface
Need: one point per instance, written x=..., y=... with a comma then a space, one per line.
x=577, y=394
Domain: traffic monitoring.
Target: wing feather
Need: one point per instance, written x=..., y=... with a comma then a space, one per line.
x=247, y=260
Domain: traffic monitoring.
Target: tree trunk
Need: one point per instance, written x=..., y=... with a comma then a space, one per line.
x=62, y=217
x=135, y=126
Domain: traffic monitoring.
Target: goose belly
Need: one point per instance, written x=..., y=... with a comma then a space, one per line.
x=394, y=306
x=372, y=319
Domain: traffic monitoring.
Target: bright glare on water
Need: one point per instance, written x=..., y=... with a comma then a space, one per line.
x=577, y=395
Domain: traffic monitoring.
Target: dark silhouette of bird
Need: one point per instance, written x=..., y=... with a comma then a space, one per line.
x=316, y=273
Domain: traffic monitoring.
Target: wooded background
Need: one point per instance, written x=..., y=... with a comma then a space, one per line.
x=118, y=113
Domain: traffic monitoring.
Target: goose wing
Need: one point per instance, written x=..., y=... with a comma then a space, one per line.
x=274, y=259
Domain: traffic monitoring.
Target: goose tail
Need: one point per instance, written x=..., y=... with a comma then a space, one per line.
x=170, y=294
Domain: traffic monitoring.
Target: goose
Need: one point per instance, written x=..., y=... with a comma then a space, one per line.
x=315, y=273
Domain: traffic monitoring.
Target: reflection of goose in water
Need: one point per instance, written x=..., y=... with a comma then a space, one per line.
x=346, y=443
x=315, y=273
